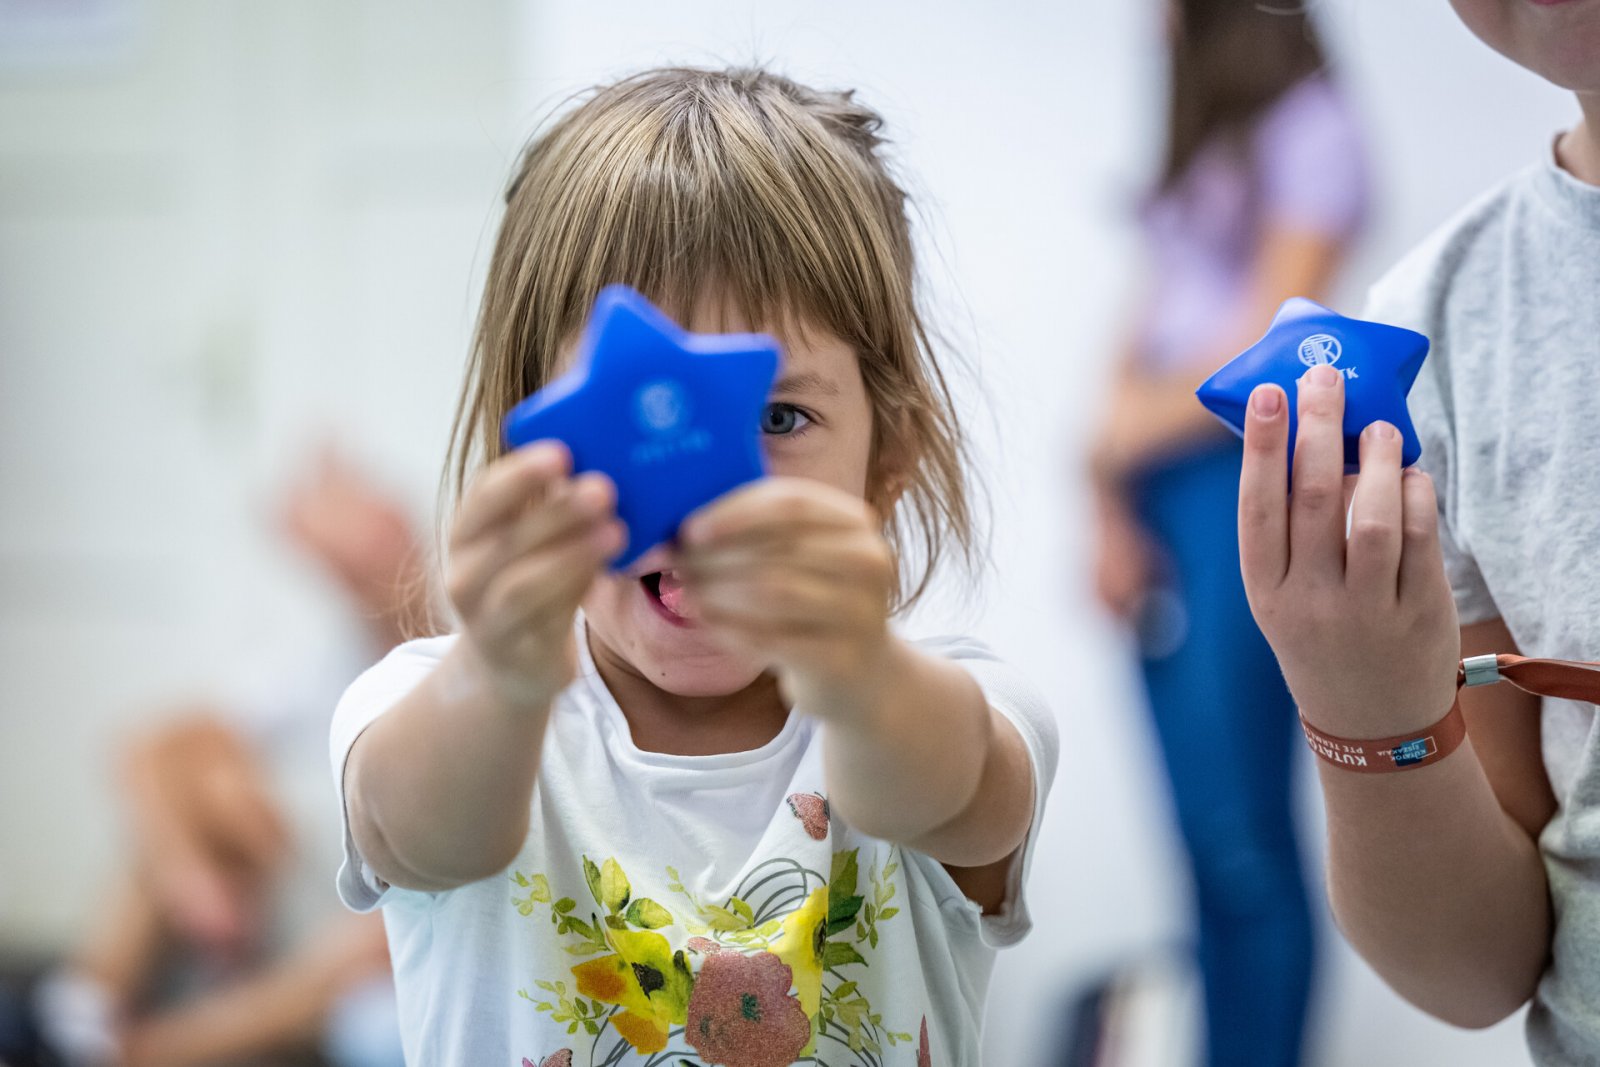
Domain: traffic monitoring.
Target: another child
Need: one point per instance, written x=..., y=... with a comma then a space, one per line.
x=1472, y=884
x=721, y=814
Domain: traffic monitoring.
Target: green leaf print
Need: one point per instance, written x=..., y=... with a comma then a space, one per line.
x=614, y=887
x=842, y=914
x=648, y=915
x=842, y=875
x=591, y=875
x=839, y=954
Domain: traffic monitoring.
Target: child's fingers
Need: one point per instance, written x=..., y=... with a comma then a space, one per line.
x=1316, y=504
x=1372, y=553
x=567, y=510
x=1263, y=490
x=547, y=586
x=773, y=505
x=850, y=556
x=585, y=500
x=1421, y=558
x=507, y=485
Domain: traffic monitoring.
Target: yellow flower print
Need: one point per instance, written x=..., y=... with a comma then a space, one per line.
x=645, y=978
x=801, y=945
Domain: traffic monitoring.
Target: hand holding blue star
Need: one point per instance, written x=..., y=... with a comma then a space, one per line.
x=1379, y=364
x=672, y=417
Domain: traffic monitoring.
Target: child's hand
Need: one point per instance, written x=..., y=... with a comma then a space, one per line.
x=1365, y=628
x=527, y=543
x=796, y=571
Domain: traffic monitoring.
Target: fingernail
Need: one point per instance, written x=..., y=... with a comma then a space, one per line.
x=1382, y=431
x=1322, y=376
x=1266, y=401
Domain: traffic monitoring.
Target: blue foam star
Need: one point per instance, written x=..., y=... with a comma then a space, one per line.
x=1379, y=363
x=672, y=417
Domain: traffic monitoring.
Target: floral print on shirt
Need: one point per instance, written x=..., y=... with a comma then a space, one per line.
x=762, y=979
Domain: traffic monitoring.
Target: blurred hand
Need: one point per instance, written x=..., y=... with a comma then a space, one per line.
x=528, y=542
x=341, y=954
x=1124, y=560
x=362, y=537
x=1365, y=628
x=209, y=839
x=797, y=572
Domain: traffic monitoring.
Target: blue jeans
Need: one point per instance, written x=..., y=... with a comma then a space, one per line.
x=1227, y=730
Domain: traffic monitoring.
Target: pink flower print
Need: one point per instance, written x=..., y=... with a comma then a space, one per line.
x=812, y=811
x=703, y=945
x=924, y=1057
x=555, y=1059
x=742, y=1015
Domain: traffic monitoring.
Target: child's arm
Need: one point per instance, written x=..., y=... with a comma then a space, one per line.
x=1153, y=415
x=437, y=788
x=796, y=571
x=1433, y=882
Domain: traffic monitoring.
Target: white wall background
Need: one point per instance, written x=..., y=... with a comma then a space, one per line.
x=243, y=223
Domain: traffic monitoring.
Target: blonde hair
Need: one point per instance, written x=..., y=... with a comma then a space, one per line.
x=741, y=182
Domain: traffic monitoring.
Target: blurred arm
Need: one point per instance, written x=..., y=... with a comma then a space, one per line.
x=1153, y=415
x=282, y=1008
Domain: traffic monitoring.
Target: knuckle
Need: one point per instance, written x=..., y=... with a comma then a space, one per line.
x=1421, y=527
x=1372, y=531
x=1318, y=493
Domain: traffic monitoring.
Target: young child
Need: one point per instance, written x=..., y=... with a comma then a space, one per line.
x=1472, y=884
x=721, y=814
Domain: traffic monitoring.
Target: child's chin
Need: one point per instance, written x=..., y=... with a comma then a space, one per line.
x=707, y=671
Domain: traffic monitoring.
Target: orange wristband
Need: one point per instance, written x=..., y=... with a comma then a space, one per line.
x=1562, y=678
x=1386, y=755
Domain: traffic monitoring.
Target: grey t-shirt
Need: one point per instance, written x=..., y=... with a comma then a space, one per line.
x=1508, y=410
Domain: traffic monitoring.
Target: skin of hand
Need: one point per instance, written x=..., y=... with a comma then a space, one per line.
x=1124, y=558
x=363, y=538
x=796, y=573
x=527, y=543
x=210, y=838
x=1365, y=627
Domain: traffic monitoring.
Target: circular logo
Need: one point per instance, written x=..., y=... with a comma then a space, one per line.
x=1319, y=348
x=661, y=406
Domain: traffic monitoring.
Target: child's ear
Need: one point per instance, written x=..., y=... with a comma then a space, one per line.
x=892, y=467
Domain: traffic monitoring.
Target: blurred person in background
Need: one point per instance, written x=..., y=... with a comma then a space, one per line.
x=1262, y=189
x=222, y=941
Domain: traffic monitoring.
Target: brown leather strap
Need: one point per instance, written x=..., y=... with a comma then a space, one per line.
x=1568, y=679
x=1564, y=678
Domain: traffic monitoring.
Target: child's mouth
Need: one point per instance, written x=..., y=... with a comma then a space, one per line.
x=665, y=590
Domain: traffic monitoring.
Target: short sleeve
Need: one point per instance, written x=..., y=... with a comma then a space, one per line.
x=1013, y=696
x=369, y=696
x=1312, y=162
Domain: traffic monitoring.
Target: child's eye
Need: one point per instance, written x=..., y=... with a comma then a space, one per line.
x=783, y=419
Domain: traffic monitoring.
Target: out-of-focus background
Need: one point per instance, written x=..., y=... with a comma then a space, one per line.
x=231, y=233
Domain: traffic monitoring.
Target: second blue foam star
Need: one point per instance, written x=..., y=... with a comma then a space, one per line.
x=1379, y=364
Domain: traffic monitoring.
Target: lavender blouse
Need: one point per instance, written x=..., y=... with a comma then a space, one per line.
x=1304, y=167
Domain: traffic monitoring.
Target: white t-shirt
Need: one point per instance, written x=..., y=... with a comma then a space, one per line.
x=680, y=911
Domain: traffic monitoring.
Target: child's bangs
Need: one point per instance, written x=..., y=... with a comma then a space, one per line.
x=727, y=204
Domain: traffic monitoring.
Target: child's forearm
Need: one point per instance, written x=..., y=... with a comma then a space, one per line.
x=438, y=788
x=913, y=754
x=1437, y=887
